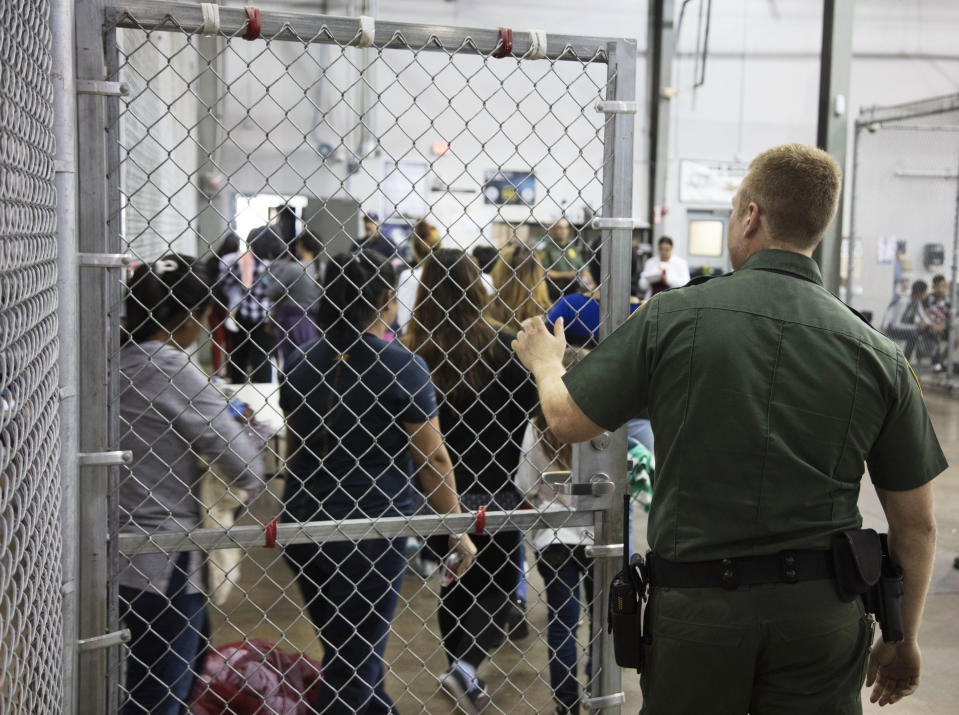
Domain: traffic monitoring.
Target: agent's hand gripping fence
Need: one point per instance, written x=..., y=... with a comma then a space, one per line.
x=337, y=118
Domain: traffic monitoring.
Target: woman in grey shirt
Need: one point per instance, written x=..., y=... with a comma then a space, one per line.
x=170, y=416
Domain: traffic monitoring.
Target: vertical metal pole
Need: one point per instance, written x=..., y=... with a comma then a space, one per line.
x=65, y=163
x=93, y=344
x=953, y=288
x=113, y=294
x=831, y=132
x=660, y=43
x=609, y=456
x=213, y=207
x=851, y=247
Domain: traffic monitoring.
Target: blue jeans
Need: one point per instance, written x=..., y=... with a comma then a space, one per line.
x=166, y=637
x=563, y=568
x=351, y=590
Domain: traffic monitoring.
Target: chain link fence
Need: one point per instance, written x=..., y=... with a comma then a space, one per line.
x=901, y=262
x=335, y=228
x=30, y=539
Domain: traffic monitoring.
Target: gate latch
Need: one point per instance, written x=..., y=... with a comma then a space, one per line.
x=104, y=260
x=104, y=641
x=605, y=701
x=599, y=551
x=104, y=459
x=612, y=106
x=598, y=484
x=102, y=88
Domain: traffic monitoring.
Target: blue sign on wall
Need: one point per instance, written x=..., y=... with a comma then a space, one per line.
x=509, y=187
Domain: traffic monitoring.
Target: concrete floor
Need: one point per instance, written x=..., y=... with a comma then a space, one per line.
x=517, y=674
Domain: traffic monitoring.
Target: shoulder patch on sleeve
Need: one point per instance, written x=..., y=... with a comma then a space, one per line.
x=914, y=376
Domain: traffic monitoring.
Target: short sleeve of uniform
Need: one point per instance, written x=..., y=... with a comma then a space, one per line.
x=417, y=394
x=611, y=385
x=906, y=454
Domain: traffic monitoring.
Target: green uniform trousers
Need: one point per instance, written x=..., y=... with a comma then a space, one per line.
x=776, y=649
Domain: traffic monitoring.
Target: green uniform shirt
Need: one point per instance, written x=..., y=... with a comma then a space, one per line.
x=767, y=395
x=560, y=258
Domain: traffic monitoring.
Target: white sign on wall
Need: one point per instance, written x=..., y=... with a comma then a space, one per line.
x=709, y=182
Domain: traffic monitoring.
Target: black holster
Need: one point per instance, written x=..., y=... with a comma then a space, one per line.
x=864, y=568
x=627, y=592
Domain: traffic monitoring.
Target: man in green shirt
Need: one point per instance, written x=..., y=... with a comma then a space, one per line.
x=562, y=262
x=767, y=396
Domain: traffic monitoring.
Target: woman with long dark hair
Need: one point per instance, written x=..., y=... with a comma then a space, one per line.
x=486, y=397
x=361, y=414
x=169, y=414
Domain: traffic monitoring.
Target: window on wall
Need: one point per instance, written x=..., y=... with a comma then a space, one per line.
x=706, y=238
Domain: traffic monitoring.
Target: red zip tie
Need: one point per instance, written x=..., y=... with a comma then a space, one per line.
x=505, y=48
x=481, y=520
x=252, y=23
x=271, y=534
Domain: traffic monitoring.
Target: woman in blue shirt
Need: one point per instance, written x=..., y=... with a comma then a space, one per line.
x=361, y=415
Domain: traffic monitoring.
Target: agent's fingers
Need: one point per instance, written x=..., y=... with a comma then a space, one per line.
x=872, y=672
x=558, y=328
x=533, y=325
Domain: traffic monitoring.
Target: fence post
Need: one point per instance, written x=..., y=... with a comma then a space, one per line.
x=953, y=288
x=94, y=344
x=606, y=678
x=65, y=166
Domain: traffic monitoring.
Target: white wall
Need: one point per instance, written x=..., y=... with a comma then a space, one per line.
x=761, y=85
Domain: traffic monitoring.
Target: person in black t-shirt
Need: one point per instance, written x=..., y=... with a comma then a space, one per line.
x=485, y=399
x=361, y=414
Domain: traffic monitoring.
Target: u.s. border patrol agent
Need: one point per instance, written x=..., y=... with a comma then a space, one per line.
x=767, y=396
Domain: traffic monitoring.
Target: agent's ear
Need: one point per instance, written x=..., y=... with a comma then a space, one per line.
x=752, y=220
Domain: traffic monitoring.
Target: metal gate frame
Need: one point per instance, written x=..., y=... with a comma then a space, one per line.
x=100, y=244
x=897, y=118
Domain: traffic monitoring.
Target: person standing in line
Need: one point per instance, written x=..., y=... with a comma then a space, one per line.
x=564, y=265
x=520, y=283
x=361, y=415
x=768, y=396
x=486, y=257
x=222, y=326
x=426, y=238
x=294, y=291
x=485, y=398
x=663, y=271
x=241, y=278
x=374, y=240
x=170, y=414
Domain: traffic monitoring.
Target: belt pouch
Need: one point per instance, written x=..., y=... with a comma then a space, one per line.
x=625, y=621
x=857, y=558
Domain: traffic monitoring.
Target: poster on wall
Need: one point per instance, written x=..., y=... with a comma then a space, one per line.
x=404, y=187
x=505, y=188
x=709, y=182
x=886, y=249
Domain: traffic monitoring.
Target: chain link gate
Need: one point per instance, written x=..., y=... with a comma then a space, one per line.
x=31, y=620
x=335, y=118
x=904, y=156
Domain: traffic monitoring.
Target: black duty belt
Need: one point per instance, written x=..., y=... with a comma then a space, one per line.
x=784, y=567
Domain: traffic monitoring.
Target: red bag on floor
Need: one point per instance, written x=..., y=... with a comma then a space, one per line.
x=255, y=677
